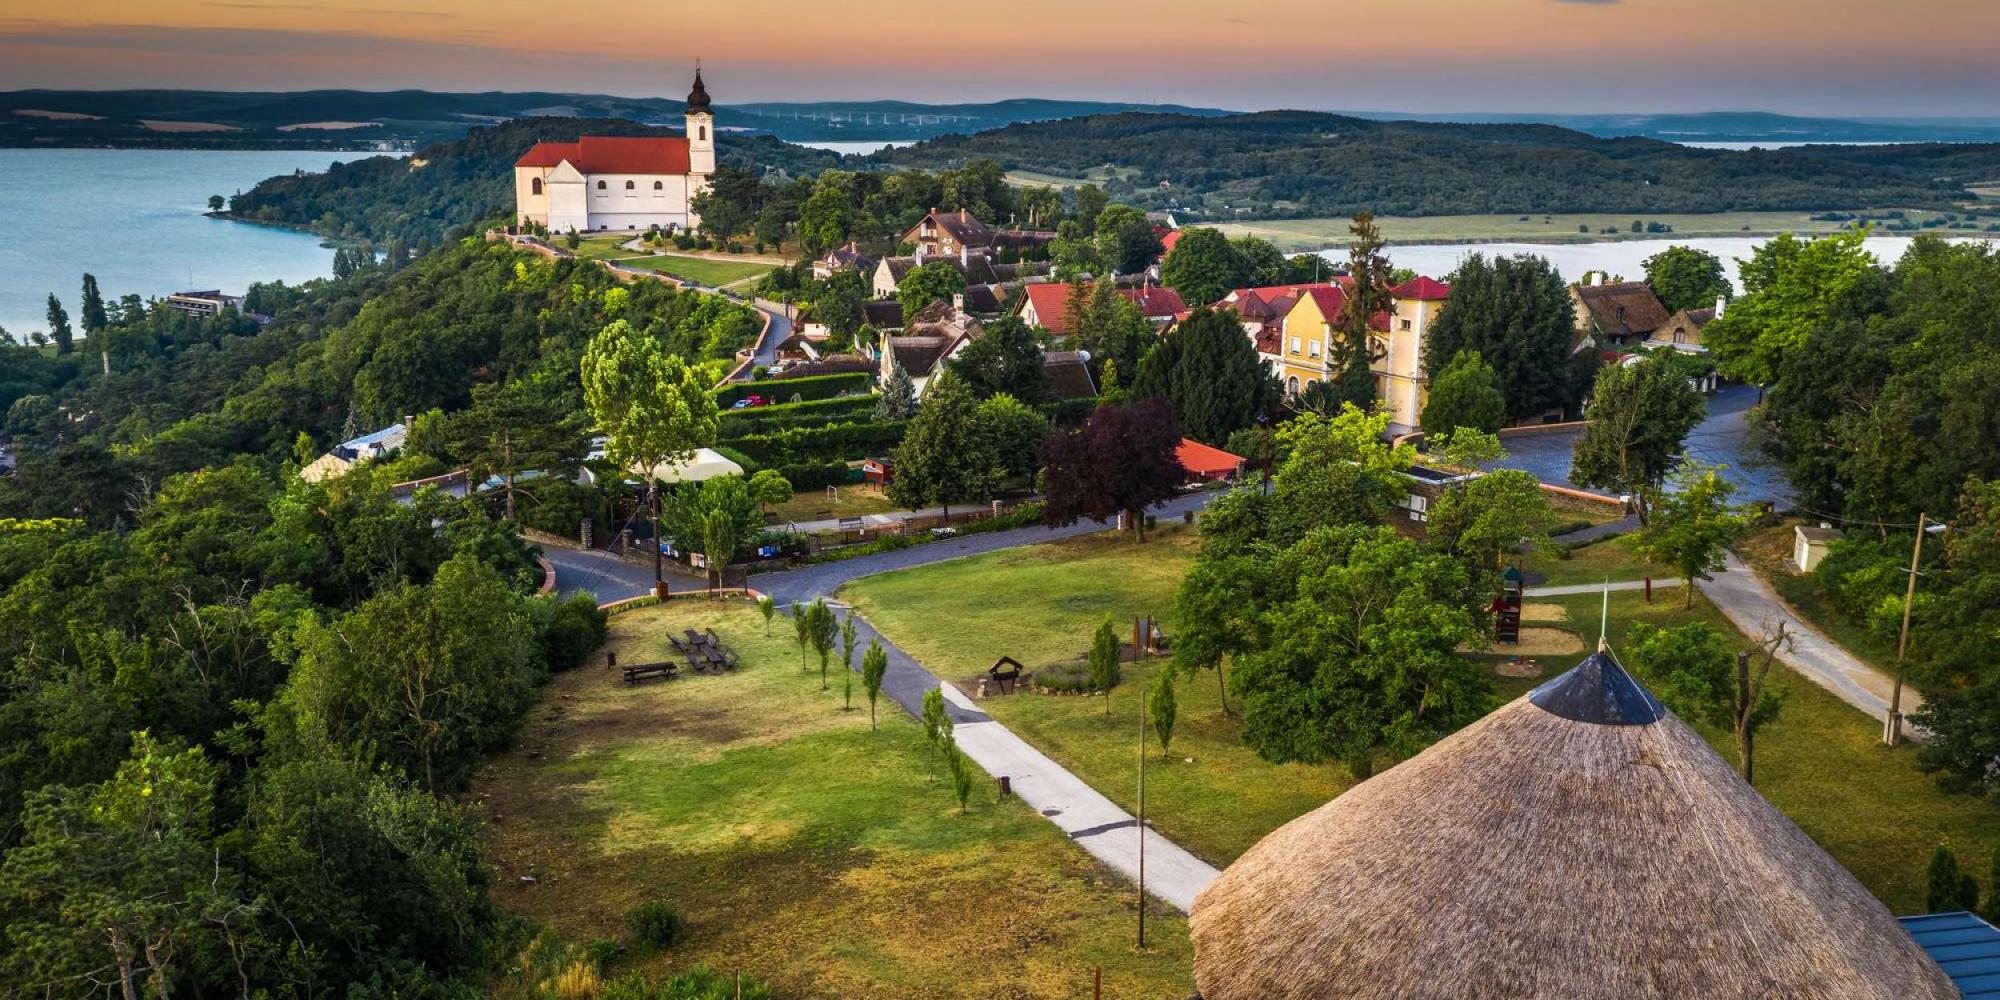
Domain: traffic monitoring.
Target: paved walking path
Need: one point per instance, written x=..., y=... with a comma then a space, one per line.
x=1756, y=609
x=1594, y=588
x=1108, y=832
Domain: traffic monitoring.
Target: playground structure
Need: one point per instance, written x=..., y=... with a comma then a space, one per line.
x=1506, y=608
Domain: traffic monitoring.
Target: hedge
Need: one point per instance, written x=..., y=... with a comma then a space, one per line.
x=818, y=475
x=821, y=444
x=805, y=387
x=811, y=413
x=749, y=465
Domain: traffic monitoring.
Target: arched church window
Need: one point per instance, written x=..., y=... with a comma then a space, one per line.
x=600, y=185
x=535, y=186
x=629, y=186
x=659, y=185
x=701, y=132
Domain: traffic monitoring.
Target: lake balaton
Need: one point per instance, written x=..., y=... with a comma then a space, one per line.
x=135, y=218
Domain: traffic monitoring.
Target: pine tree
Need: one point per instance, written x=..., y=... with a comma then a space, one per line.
x=1161, y=707
x=898, y=400
x=92, y=315
x=1104, y=661
x=59, y=326
x=1948, y=888
x=1368, y=294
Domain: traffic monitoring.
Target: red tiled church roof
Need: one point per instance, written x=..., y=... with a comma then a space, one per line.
x=1202, y=461
x=608, y=154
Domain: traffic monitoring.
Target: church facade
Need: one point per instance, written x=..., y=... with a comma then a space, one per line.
x=602, y=182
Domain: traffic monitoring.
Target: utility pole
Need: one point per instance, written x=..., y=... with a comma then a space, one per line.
x=1892, y=726
x=1142, y=820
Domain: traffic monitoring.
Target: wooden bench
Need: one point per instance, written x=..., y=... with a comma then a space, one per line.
x=1004, y=672
x=636, y=671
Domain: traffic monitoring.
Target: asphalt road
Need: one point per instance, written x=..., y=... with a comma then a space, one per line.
x=1722, y=438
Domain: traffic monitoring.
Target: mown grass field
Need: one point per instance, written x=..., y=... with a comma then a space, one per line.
x=801, y=847
x=1612, y=559
x=1820, y=762
x=710, y=271
x=850, y=501
x=1314, y=234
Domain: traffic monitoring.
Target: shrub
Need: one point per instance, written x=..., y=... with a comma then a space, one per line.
x=576, y=628
x=1069, y=675
x=822, y=444
x=697, y=983
x=784, y=416
x=805, y=386
x=655, y=923
x=817, y=475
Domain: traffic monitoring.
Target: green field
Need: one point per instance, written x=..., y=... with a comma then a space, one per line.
x=849, y=501
x=1611, y=559
x=1820, y=762
x=1314, y=234
x=710, y=271
x=801, y=847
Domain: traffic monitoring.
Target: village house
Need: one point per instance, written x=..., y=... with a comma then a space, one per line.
x=602, y=182
x=1682, y=330
x=948, y=234
x=1262, y=311
x=1069, y=374
x=888, y=273
x=1616, y=314
x=203, y=305
x=935, y=335
x=1046, y=305
x=838, y=259
x=1310, y=335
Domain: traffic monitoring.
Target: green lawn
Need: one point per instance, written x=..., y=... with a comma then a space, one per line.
x=710, y=271
x=850, y=501
x=600, y=247
x=1313, y=234
x=800, y=846
x=1820, y=762
x=1611, y=559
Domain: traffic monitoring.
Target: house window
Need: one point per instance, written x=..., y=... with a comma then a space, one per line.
x=1295, y=345
x=1292, y=386
x=600, y=185
x=659, y=185
x=1418, y=506
x=1406, y=324
x=535, y=186
x=1312, y=348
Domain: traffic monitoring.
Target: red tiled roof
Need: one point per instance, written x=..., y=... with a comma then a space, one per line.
x=1423, y=289
x=608, y=154
x=1168, y=240
x=1051, y=299
x=1201, y=460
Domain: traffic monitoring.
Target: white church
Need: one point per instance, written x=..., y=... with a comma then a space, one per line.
x=602, y=182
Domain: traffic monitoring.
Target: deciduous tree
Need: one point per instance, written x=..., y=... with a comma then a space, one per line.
x=874, y=667
x=1121, y=461
x=1160, y=707
x=936, y=281
x=1699, y=675
x=1204, y=265
x=1103, y=662
x=1006, y=360
x=1686, y=278
x=1639, y=415
x=1466, y=394
x=1517, y=314
x=944, y=457
x=1693, y=525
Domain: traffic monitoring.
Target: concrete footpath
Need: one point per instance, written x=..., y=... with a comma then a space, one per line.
x=1756, y=609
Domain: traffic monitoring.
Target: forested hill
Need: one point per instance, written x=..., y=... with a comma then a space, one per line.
x=1279, y=164
x=421, y=199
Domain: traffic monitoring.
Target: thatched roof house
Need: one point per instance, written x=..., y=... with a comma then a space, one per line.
x=1580, y=842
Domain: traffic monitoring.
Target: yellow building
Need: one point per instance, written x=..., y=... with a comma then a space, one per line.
x=1396, y=344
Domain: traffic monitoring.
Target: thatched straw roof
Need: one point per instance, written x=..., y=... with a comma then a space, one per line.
x=1581, y=842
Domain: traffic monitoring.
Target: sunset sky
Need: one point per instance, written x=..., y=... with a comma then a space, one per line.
x=1921, y=57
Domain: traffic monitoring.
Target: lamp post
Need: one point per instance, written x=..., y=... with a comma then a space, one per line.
x=1142, y=820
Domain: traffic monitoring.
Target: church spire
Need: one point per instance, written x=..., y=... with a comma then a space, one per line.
x=698, y=97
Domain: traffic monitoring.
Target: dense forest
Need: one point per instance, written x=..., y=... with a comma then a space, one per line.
x=447, y=187
x=1281, y=164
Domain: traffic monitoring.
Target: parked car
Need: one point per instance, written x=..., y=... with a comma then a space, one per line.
x=749, y=401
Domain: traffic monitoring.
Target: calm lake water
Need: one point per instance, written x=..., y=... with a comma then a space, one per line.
x=134, y=218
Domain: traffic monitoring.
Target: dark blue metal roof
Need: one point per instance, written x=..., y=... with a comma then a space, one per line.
x=1598, y=690
x=1965, y=947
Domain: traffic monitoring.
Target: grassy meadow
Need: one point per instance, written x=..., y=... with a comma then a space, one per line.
x=800, y=846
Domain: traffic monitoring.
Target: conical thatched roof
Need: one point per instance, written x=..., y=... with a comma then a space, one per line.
x=1581, y=842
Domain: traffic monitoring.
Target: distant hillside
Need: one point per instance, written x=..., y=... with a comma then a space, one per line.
x=420, y=199
x=1280, y=164
x=406, y=119
x=1737, y=126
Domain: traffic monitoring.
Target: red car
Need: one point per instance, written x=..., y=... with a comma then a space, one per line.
x=749, y=401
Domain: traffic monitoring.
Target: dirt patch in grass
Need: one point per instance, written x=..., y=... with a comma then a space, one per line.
x=1532, y=612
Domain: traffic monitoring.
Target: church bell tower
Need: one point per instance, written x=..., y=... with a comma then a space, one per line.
x=700, y=131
